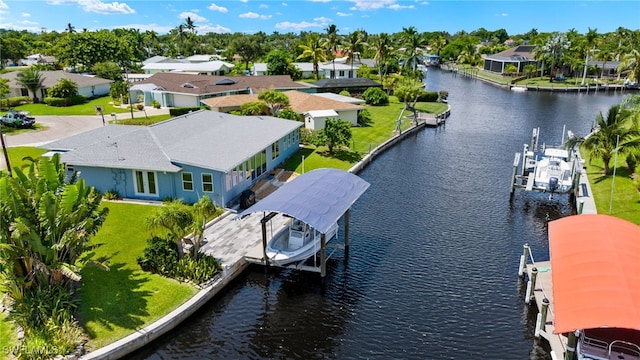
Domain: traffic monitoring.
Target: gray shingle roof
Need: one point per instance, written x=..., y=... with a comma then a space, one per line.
x=51, y=78
x=219, y=141
x=205, y=139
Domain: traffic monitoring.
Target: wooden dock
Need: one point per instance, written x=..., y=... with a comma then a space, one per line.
x=543, y=289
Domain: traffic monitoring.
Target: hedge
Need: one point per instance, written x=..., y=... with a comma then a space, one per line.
x=14, y=101
x=182, y=110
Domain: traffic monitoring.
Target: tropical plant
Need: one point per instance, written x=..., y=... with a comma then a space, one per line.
x=51, y=218
x=375, y=96
x=330, y=45
x=382, y=46
x=354, y=45
x=31, y=79
x=617, y=131
x=275, y=100
x=64, y=88
x=174, y=217
x=413, y=45
x=335, y=133
x=290, y=114
x=254, y=108
x=555, y=46
x=631, y=62
x=119, y=90
x=313, y=50
x=108, y=70
x=202, y=210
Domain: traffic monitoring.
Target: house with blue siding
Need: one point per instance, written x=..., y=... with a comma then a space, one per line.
x=201, y=153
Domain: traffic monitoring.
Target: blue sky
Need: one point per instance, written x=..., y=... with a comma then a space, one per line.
x=374, y=16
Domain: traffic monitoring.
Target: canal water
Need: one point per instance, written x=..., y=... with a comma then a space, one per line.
x=435, y=245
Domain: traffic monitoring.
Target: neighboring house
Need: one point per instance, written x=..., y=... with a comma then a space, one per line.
x=202, y=153
x=215, y=67
x=353, y=86
x=314, y=107
x=89, y=86
x=38, y=59
x=204, y=58
x=188, y=90
x=343, y=68
x=520, y=56
x=608, y=69
x=162, y=59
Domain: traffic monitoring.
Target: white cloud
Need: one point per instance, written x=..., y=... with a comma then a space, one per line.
x=28, y=22
x=503, y=14
x=321, y=1
x=160, y=29
x=252, y=15
x=400, y=7
x=12, y=26
x=194, y=17
x=283, y=4
x=207, y=28
x=25, y=15
x=287, y=25
x=97, y=6
x=244, y=1
x=322, y=20
x=365, y=5
x=215, y=7
x=343, y=14
x=3, y=5
x=263, y=6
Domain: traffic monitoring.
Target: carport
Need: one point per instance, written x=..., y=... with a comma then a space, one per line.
x=319, y=198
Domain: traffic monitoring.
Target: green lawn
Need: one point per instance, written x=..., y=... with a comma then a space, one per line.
x=365, y=138
x=8, y=336
x=8, y=130
x=626, y=198
x=16, y=155
x=117, y=302
x=149, y=120
x=88, y=108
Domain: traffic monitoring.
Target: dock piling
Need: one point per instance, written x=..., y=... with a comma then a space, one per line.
x=323, y=255
x=523, y=260
x=543, y=314
x=580, y=207
x=571, y=346
x=531, y=286
x=346, y=233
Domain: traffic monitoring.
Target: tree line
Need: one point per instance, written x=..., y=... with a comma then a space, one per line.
x=393, y=52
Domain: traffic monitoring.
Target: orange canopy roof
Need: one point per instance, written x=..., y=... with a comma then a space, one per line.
x=595, y=269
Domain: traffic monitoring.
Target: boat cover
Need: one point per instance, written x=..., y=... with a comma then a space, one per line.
x=595, y=270
x=319, y=197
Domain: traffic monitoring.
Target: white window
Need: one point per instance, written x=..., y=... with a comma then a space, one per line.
x=207, y=182
x=145, y=182
x=275, y=150
x=187, y=181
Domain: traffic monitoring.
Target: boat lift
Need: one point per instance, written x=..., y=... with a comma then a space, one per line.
x=528, y=161
x=319, y=198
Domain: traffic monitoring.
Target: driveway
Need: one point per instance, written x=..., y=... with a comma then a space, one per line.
x=59, y=127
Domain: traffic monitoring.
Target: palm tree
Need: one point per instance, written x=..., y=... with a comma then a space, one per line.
x=631, y=62
x=330, y=44
x=590, y=42
x=174, y=217
x=555, y=47
x=413, y=44
x=202, y=210
x=382, y=46
x=189, y=25
x=70, y=28
x=353, y=45
x=540, y=54
x=618, y=131
x=32, y=80
x=313, y=49
x=438, y=44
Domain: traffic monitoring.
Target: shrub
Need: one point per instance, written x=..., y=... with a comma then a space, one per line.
x=15, y=101
x=364, y=117
x=64, y=88
x=428, y=96
x=140, y=107
x=443, y=95
x=155, y=104
x=161, y=257
x=254, y=108
x=290, y=114
x=182, y=110
x=375, y=96
x=76, y=100
x=111, y=195
x=307, y=136
x=344, y=93
x=54, y=101
x=116, y=102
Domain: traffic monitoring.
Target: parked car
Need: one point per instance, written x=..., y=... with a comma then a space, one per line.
x=18, y=119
